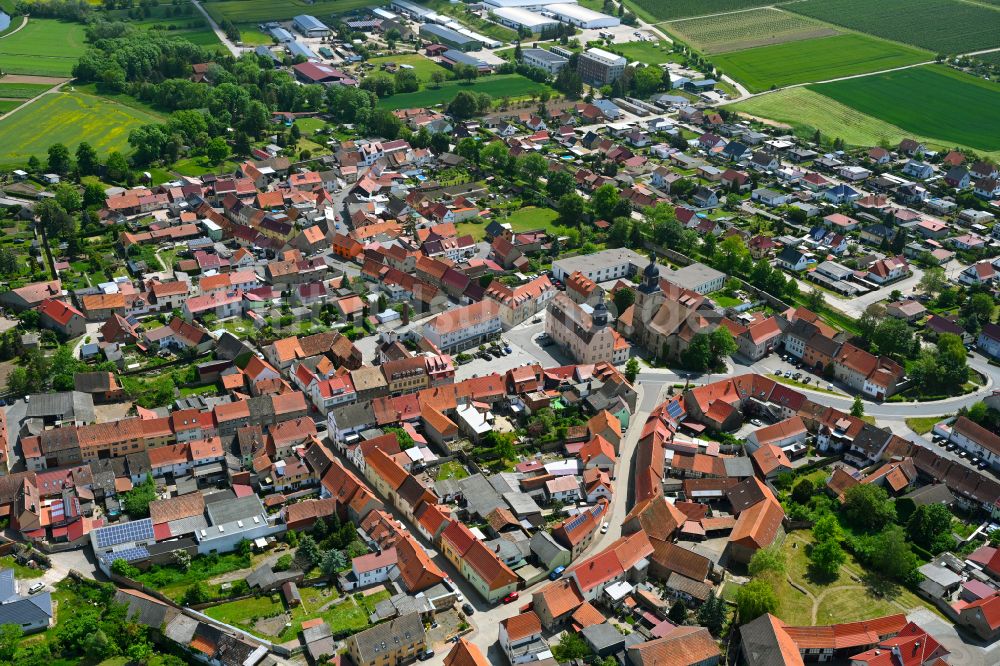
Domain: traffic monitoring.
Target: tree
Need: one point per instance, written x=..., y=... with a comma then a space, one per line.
x=803, y=490
x=196, y=594
x=437, y=78
x=632, y=370
x=570, y=647
x=952, y=358
x=647, y=80
x=87, y=161
x=59, y=160
x=283, y=563
x=892, y=554
x=118, y=170
x=814, y=300
x=858, y=407
x=8, y=262
x=732, y=256
x=182, y=559
x=68, y=197
x=755, y=599
x=333, y=562
x=93, y=195
x=123, y=568
x=572, y=208
x=677, y=613
x=979, y=307
x=606, y=202
x=867, y=506
x=560, y=184
x=930, y=528
x=826, y=528
x=623, y=299
x=10, y=636
x=767, y=561
x=712, y=614
x=308, y=551
x=933, y=281
x=136, y=501
x=217, y=150
x=826, y=558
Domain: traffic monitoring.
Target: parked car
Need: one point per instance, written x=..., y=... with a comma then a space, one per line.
x=604, y=528
x=511, y=598
x=468, y=609
x=557, y=573
x=829, y=387
x=426, y=654
x=37, y=587
x=778, y=373
x=756, y=422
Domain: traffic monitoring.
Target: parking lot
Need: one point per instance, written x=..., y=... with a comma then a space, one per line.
x=793, y=369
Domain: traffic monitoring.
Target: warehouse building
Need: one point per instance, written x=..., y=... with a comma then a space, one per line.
x=411, y=9
x=582, y=17
x=542, y=59
x=534, y=5
x=598, y=67
x=310, y=26
x=282, y=35
x=453, y=57
x=517, y=18
x=439, y=34
x=296, y=49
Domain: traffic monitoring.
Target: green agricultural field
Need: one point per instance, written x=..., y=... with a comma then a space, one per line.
x=497, y=86
x=22, y=90
x=258, y=11
x=45, y=47
x=422, y=67
x=972, y=123
x=805, y=111
x=68, y=118
x=745, y=30
x=822, y=59
x=8, y=105
x=192, y=27
x=662, y=10
x=941, y=26
x=651, y=53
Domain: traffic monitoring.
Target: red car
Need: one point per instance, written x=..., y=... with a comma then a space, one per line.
x=510, y=597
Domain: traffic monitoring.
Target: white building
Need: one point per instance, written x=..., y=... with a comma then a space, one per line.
x=517, y=18
x=461, y=328
x=310, y=26
x=581, y=16
x=544, y=59
x=599, y=67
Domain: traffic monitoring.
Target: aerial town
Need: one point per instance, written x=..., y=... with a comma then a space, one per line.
x=509, y=332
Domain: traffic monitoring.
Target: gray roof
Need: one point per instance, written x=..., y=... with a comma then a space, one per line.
x=601, y=260
x=603, y=636
x=458, y=56
x=238, y=508
x=545, y=55
x=181, y=629
x=693, y=275
x=738, y=467
x=309, y=22
x=521, y=504
x=144, y=610
x=760, y=643
x=479, y=495
x=8, y=585
x=65, y=406
x=545, y=548
x=682, y=583
x=444, y=33
x=405, y=629
x=937, y=493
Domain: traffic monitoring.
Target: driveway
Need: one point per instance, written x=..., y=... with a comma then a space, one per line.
x=855, y=307
x=965, y=650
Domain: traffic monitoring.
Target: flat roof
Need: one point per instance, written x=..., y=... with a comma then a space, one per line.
x=601, y=54
x=575, y=11
x=523, y=16
x=525, y=3
x=543, y=54
x=446, y=33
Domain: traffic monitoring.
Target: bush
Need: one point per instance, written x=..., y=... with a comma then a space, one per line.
x=284, y=563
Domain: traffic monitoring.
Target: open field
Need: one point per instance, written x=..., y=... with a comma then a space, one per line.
x=192, y=27
x=22, y=90
x=422, y=66
x=922, y=424
x=745, y=30
x=822, y=59
x=68, y=118
x=45, y=46
x=651, y=53
x=941, y=26
x=525, y=219
x=257, y=11
x=497, y=86
x=972, y=123
x=9, y=105
x=805, y=111
x=675, y=9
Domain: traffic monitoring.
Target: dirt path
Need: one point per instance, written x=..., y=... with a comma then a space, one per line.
x=31, y=78
x=35, y=99
x=24, y=22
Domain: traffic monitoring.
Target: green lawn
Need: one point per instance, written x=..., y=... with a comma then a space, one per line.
x=45, y=47
x=9, y=105
x=726, y=301
x=922, y=424
x=525, y=219
x=68, y=118
x=348, y=616
x=451, y=470
x=821, y=59
x=839, y=600
x=497, y=86
x=651, y=53
x=193, y=27
x=257, y=11
x=198, y=166
x=744, y=30
x=422, y=66
x=21, y=571
x=972, y=123
x=172, y=581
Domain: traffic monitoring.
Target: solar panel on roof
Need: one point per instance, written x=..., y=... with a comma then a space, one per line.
x=129, y=555
x=674, y=409
x=135, y=530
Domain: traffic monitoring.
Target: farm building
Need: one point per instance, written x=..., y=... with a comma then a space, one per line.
x=581, y=16
x=282, y=35
x=517, y=18
x=314, y=72
x=442, y=35
x=453, y=57
x=410, y=9
x=542, y=59
x=296, y=49
x=310, y=26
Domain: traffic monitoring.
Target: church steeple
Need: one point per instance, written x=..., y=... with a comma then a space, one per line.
x=600, y=316
x=650, y=276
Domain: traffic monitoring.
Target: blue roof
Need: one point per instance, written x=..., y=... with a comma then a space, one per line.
x=130, y=532
x=310, y=22
x=282, y=35
x=458, y=56
x=299, y=49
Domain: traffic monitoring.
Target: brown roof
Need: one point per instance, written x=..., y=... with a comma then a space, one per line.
x=522, y=626
x=683, y=646
x=417, y=570
x=387, y=468
x=175, y=508
x=465, y=654
x=561, y=597
x=679, y=559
